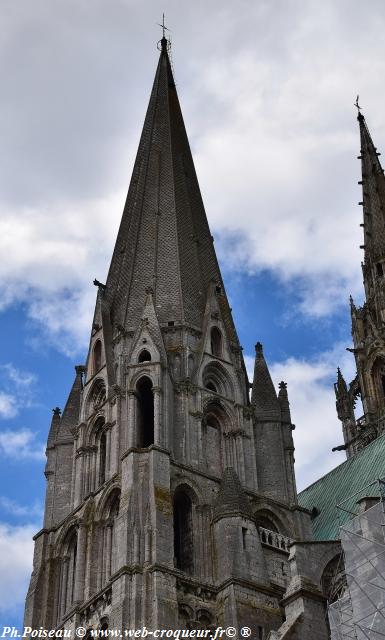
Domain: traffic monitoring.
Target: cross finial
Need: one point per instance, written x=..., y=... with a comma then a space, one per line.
x=356, y=104
x=164, y=43
x=164, y=28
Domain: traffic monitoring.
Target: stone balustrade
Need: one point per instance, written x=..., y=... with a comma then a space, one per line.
x=274, y=540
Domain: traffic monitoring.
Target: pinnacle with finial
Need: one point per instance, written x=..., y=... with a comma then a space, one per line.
x=356, y=104
x=259, y=348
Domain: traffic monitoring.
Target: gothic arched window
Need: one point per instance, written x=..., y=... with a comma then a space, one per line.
x=333, y=580
x=183, y=532
x=97, y=396
x=266, y=523
x=216, y=342
x=145, y=412
x=214, y=424
x=216, y=378
x=98, y=465
x=378, y=377
x=97, y=357
x=144, y=356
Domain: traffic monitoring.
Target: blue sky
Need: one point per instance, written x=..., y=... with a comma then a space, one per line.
x=267, y=91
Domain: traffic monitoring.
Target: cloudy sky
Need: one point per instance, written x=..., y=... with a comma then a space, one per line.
x=267, y=89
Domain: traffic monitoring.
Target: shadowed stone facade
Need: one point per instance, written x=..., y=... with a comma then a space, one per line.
x=171, y=497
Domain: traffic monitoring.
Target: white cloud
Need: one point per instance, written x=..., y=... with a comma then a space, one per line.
x=22, y=379
x=271, y=122
x=310, y=388
x=16, y=551
x=8, y=408
x=18, y=388
x=21, y=511
x=53, y=258
x=21, y=444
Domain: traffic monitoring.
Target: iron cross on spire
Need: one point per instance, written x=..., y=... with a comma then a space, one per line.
x=164, y=28
x=357, y=105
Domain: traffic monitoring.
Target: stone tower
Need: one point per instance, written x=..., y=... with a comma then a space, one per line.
x=171, y=498
x=368, y=321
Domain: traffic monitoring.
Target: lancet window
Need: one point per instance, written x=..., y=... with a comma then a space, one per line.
x=183, y=531
x=145, y=412
x=216, y=342
x=97, y=357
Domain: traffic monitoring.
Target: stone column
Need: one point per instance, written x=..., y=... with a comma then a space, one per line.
x=80, y=563
x=88, y=576
x=199, y=550
x=107, y=550
x=136, y=548
x=99, y=575
x=93, y=469
x=64, y=587
x=78, y=477
x=114, y=449
x=86, y=473
x=186, y=403
x=241, y=452
x=108, y=453
x=131, y=442
x=158, y=436
x=147, y=545
x=200, y=439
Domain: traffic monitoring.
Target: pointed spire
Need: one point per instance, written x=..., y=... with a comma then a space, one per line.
x=263, y=395
x=283, y=400
x=70, y=417
x=231, y=499
x=55, y=422
x=341, y=386
x=164, y=240
x=373, y=196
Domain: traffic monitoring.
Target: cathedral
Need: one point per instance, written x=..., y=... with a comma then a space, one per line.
x=171, y=498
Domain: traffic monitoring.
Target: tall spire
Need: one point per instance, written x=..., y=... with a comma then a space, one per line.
x=164, y=240
x=373, y=196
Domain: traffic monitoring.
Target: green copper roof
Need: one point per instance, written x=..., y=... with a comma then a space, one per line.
x=349, y=478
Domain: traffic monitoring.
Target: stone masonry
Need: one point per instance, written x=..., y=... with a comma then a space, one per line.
x=171, y=496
